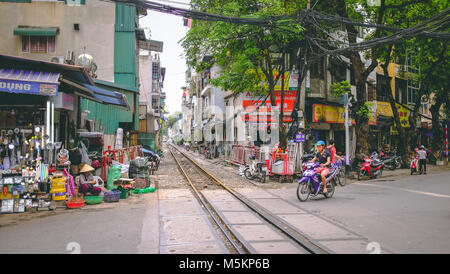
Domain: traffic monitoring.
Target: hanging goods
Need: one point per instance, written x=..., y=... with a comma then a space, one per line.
x=70, y=183
x=63, y=157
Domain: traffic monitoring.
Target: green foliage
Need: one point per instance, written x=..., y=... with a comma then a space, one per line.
x=341, y=88
x=364, y=111
x=244, y=52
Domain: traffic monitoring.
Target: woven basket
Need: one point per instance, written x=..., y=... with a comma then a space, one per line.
x=112, y=196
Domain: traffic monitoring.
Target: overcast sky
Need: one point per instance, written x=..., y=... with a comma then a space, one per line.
x=169, y=29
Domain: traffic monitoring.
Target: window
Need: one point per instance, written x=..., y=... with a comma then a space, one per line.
x=383, y=83
x=425, y=108
x=38, y=44
x=413, y=88
x=400, y=90
x=338, y=71
x=412, y=64
x=155, y=70
x=316, y=69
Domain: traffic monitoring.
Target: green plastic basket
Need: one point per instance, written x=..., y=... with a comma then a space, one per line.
x=124, y=194
x=92, y=200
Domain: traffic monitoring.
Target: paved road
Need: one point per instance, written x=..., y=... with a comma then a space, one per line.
x=406, y=215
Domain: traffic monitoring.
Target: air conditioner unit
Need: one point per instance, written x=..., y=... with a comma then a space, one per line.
x=70, y=58
x=57, y=59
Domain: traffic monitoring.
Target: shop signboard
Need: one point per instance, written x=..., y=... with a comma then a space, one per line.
x=263, y=114
x=328, y=114
x=384, y=108
x=63, y=101
x=26, y=87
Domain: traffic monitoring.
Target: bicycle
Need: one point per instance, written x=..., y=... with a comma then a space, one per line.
x=340, y=176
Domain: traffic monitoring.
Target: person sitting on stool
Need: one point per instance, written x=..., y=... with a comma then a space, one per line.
x=87, y=181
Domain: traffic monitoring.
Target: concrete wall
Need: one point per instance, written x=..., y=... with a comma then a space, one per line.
x=96, y=21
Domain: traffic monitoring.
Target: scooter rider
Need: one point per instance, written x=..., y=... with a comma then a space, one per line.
x=324, y=157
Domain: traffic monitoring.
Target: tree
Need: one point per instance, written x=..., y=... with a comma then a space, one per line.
x=247, y=54
x=171, y=120
x=430, y=63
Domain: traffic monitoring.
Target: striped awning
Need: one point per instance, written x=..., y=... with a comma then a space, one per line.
x=29, y=81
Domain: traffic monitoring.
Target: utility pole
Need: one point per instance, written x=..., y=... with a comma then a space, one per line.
x=347, y=139
x=301, y=99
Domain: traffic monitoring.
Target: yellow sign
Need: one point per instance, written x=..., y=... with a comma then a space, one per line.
x=384, y=108
x=265, y=84
x=328, y=114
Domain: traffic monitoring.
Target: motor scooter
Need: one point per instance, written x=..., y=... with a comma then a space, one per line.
x=256, y=169
x=311, y=183
x=415, y=165
x=391, y=161
x=371, y=167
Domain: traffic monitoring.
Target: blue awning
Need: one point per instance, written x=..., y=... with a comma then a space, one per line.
x=108, y=97
x=29, y=81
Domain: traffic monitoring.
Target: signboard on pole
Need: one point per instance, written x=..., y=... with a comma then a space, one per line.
x=300, y=138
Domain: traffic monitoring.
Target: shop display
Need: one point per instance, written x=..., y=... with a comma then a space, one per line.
x=38, y=175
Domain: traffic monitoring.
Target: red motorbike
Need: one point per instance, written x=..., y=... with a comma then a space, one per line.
x=371, y=167
x=415, y=165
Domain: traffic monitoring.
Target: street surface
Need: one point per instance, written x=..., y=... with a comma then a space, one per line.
x=398, y=214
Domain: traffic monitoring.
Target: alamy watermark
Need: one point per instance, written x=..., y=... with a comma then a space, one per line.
x=73, y=248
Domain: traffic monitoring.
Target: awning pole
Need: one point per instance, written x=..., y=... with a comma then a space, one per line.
x=52, y=140
x=47, y=121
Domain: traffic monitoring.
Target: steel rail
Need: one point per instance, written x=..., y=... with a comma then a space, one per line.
x=206, y=205
x=277, y=222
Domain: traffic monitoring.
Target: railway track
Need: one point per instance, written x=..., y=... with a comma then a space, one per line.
x=200, y=179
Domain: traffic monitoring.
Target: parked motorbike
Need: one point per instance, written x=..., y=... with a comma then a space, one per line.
x=207, y=153
x=415, y=165
x=256, y=169
x=311, y=183
x=187, y=146
x=152, y=157
x=391, y=161
x=371, y=167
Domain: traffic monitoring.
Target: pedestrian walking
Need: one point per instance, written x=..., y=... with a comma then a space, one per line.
x=422, y=160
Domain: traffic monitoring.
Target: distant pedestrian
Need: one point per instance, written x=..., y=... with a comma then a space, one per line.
x=333, y=153
x=422, y=160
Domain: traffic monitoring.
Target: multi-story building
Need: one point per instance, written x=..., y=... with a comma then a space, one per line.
x=401, y=82
x=61, y=31
x=152, y=97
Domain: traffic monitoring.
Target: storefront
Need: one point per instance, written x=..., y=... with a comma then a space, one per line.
x=39, y=121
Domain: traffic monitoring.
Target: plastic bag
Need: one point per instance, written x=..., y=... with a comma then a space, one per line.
x=113, y=174
x=84, y=156
x=124, y=167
